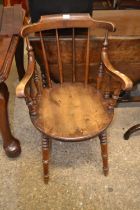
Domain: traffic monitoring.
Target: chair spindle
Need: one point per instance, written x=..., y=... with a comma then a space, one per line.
x=36, y=81
x=100, y=76
x=60, y=66
x=107, y=90
x=105, y=43
x=73, y=57
x=105, y=47
x=87, y=59
x=45, y=60
x=30, y=93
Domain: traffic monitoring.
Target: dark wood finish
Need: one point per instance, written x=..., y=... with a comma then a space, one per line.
x=128, y=4
x=131, y=130
x=71, y=110
x=10, y=144
x=120, y=51
x=8, y=43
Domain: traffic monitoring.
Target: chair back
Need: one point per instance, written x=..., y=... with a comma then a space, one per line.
x=55, y=58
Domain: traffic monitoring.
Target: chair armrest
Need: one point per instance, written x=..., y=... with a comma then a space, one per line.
x=20, y=90
x=127, y=84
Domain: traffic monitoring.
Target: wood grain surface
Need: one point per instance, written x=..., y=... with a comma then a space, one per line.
x=71, y=111
x=126, y=21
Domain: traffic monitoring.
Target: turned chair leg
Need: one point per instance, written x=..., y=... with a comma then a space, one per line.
x=104, y=152
x=10, y=144
x=45, y=152
x=131, y=130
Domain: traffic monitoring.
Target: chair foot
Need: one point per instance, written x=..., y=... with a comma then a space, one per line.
x=46, y=179
x=131, y=130
x=13, y=149
x=106, y=171
x=104, y=152
x=45, y=153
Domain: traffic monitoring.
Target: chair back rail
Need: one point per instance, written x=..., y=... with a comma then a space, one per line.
x=73, y=56
x=66, y=21
x=59, y=58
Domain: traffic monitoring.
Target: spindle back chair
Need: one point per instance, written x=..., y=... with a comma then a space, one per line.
x=73, y=110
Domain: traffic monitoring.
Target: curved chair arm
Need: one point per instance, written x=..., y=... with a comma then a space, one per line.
x=126, y=82
x=20, y=90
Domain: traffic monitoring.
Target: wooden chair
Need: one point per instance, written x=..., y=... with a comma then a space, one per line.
x=74, y=110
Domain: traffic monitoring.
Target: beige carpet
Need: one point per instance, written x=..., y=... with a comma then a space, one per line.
x=76, y=179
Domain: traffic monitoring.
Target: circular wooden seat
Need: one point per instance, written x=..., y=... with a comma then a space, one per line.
x=72, y=112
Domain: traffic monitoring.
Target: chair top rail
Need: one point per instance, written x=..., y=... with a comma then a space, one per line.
x=62, y=21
